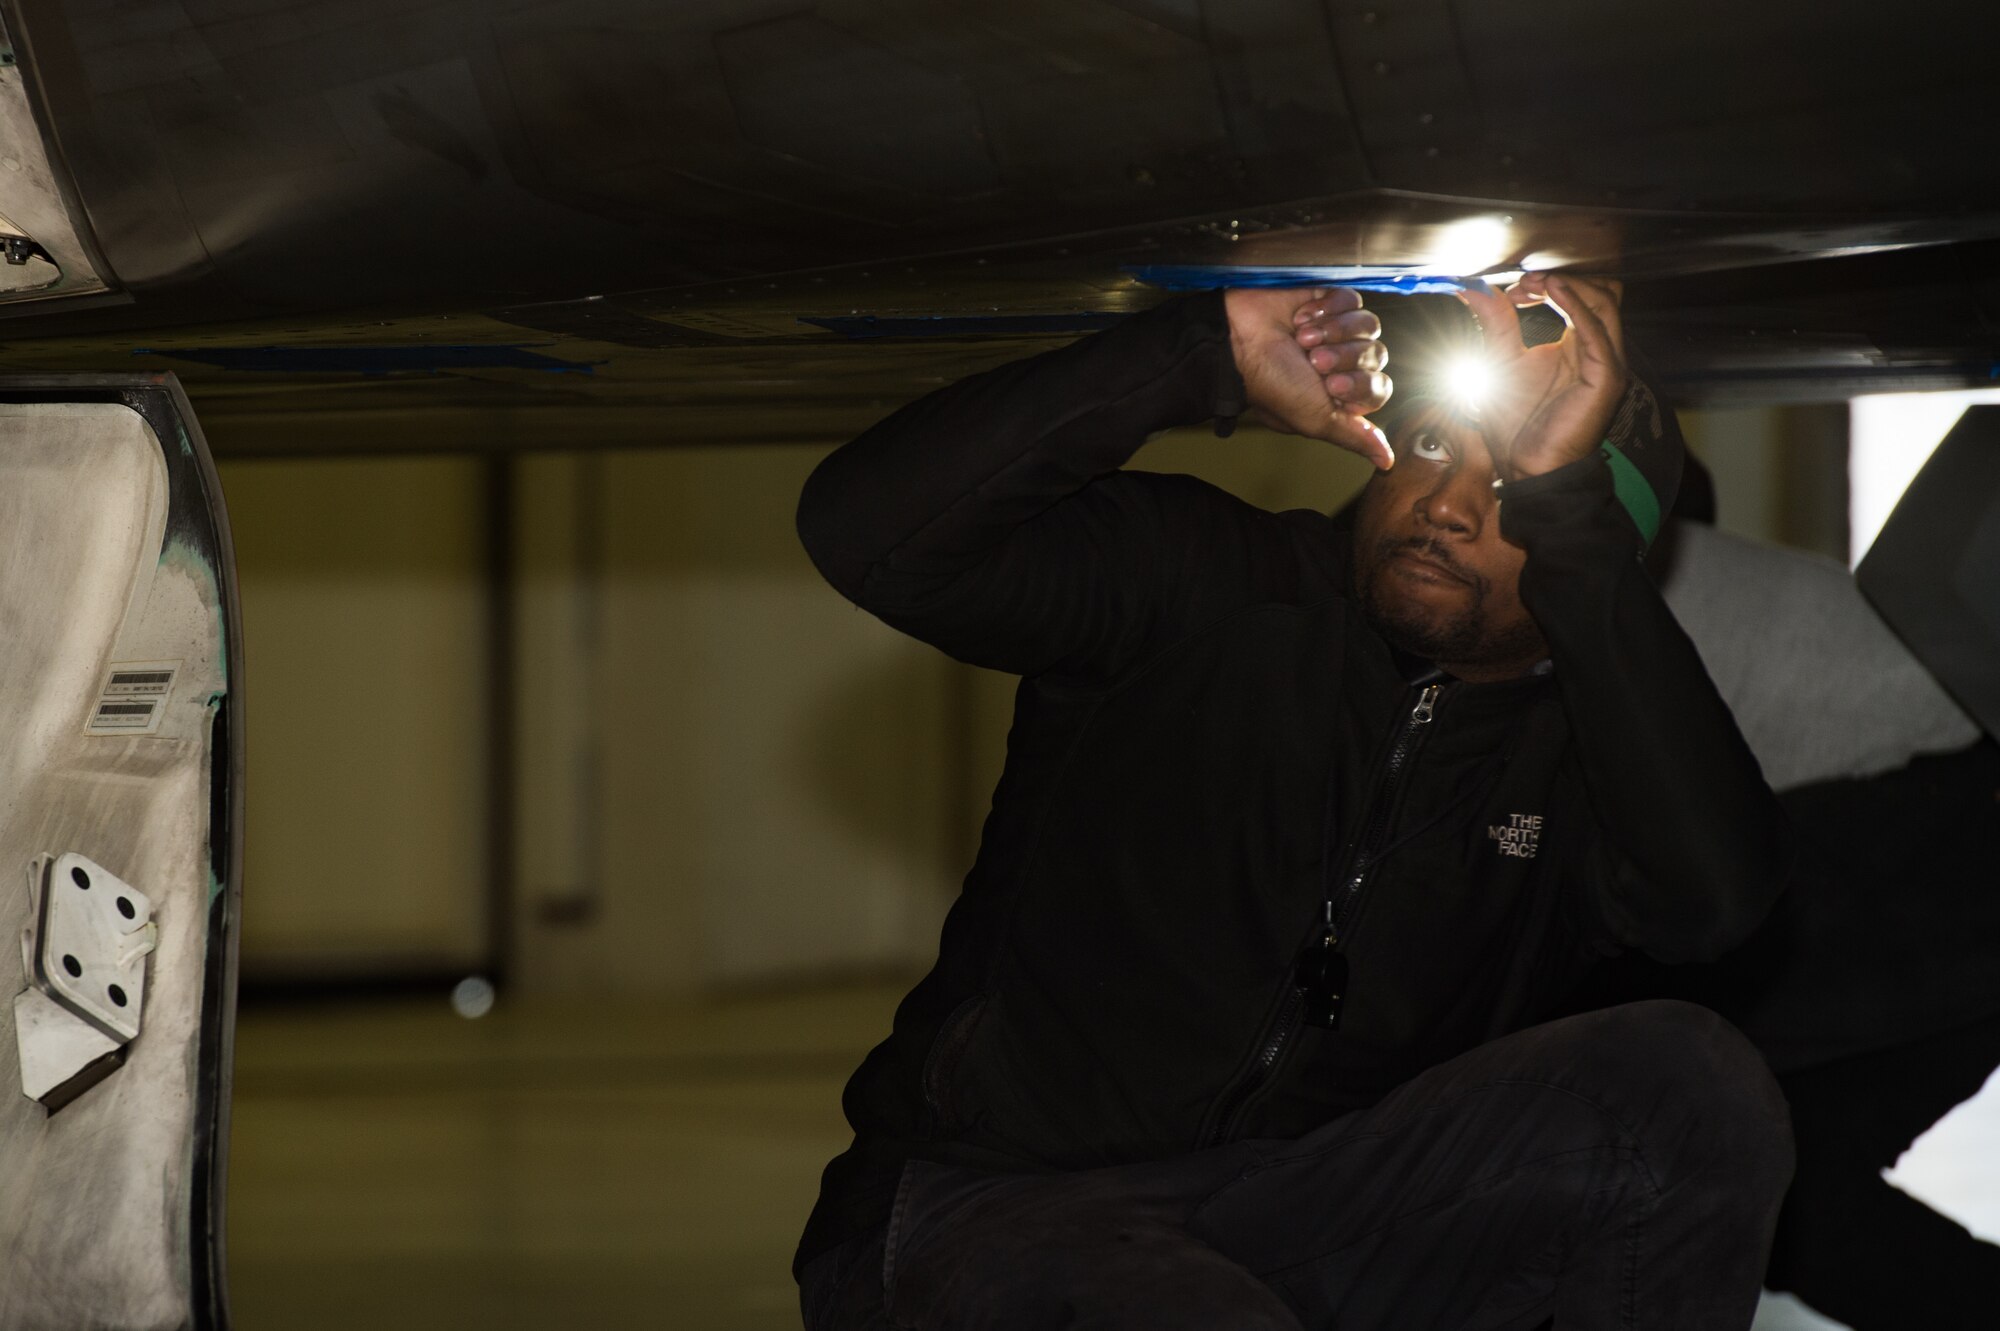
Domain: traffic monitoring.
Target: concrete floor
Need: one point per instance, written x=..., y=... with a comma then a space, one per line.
x=397, y=1166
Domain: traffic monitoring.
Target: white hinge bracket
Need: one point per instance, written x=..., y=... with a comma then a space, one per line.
x=84, y=952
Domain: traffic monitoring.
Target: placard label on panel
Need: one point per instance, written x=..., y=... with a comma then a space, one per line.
x=133, y=699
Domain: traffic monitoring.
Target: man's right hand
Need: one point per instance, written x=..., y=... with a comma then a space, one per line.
x=1311, y=360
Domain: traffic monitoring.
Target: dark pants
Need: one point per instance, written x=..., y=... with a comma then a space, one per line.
x=1848, y=1243
x=1620, y=1169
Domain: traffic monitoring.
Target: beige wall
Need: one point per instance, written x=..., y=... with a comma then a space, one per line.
x=767, y=791
x=365, y=726
x=725, y=774
x=1780, y=472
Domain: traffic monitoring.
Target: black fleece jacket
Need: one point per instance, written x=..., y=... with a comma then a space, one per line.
x=1209, y=744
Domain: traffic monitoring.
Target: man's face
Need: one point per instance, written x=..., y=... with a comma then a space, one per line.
x=1434, y=576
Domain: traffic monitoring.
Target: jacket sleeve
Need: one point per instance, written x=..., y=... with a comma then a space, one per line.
x=990, y=518
x=1691, y=848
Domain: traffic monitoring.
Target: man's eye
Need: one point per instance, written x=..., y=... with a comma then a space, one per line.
x=1430, y=448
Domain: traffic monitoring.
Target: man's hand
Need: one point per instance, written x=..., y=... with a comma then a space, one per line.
x=1311, y=362
x=1550, y=405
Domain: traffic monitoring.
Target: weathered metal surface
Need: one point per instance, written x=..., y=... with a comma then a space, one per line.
x=45, y=251
x=112, y=550
x=487, y=151
x=359, y=210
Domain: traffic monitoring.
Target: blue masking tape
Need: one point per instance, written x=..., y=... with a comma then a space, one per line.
x=1361, y=277
x=426, y=358
x=861, y=326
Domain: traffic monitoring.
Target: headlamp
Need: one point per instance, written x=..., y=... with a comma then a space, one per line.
x=1467, y=381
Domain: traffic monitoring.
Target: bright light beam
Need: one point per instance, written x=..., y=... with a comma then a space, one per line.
x=1470, y=245
x=1468, y=381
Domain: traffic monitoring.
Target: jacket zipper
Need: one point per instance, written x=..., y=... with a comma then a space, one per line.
x=1340, y=915
x=1322, y=964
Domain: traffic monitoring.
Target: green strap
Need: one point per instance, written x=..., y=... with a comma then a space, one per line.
x=1629, y=484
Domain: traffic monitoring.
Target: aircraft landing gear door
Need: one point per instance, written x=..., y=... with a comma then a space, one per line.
x=120, y=679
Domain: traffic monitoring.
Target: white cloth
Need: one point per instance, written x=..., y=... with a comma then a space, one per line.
x=1820, y=686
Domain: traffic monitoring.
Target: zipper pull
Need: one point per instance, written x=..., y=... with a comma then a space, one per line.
x=1426, y=705
x=1321, y=981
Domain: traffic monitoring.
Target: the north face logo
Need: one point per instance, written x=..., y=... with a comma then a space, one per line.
x=1520, y=836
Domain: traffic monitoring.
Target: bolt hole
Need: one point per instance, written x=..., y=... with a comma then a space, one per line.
x=125, y=908
x=74, y=967
x=79, y=877
x=117, y=995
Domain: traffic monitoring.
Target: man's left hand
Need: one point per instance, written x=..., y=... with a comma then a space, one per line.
x=1550, y=405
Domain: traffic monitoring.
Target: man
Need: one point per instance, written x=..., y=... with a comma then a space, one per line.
x=1299, y=836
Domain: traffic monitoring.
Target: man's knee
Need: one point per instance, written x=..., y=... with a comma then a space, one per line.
x=1694, y=1054
x=1700, y=1097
